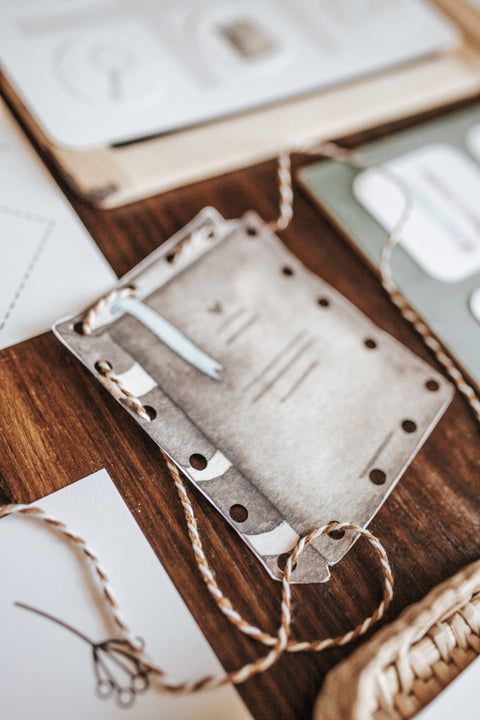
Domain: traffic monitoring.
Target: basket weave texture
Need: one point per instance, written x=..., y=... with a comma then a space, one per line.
x=406, y=664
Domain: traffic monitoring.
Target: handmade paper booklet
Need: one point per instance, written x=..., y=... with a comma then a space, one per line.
x=283, y=403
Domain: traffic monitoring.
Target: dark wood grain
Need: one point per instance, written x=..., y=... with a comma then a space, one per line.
x=57, y=424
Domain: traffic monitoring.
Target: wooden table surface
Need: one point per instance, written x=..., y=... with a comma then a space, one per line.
x=57, y=424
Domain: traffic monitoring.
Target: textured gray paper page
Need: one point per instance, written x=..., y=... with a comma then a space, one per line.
x=316, y=412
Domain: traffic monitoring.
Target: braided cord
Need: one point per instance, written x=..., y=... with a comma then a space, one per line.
x=225, y=604
x=98, y=572
x=278, y=643
x=336, y=152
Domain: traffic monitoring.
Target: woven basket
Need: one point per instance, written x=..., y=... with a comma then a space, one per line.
x=407, y=663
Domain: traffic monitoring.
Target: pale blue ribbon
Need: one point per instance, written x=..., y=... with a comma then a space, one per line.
x=170, y=335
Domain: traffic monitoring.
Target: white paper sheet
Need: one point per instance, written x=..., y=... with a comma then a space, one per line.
x=49, y=265
x=46, y=671
x=96, y=73
x=459, y=699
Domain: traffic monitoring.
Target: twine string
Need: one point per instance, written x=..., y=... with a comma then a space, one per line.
x=278, y=643
x=103, y=306
x=101, y=309
x=98, y=571
x=225, y=605
x=118, y=388
x=352, y=158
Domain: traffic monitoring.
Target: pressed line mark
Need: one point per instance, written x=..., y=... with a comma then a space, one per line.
x=238, y=313
x=291, y=343
x=283, y=370
x=300, y=380
x=248, y=324
x=377, y=454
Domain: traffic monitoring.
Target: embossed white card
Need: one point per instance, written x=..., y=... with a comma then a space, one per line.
x=49, y=264
x=46, y=670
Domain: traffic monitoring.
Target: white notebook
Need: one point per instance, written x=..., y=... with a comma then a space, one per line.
x=111, y=71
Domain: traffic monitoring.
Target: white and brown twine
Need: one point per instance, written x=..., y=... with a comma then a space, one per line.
x=352, y=158
x=282, y=641
x=278, y=643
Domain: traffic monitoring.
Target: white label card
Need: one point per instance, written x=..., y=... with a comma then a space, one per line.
x=443, y=232
x=46, y=670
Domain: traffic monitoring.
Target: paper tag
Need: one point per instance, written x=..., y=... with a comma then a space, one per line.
x=47, y=671
x=283, y=403
x=443, y=232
